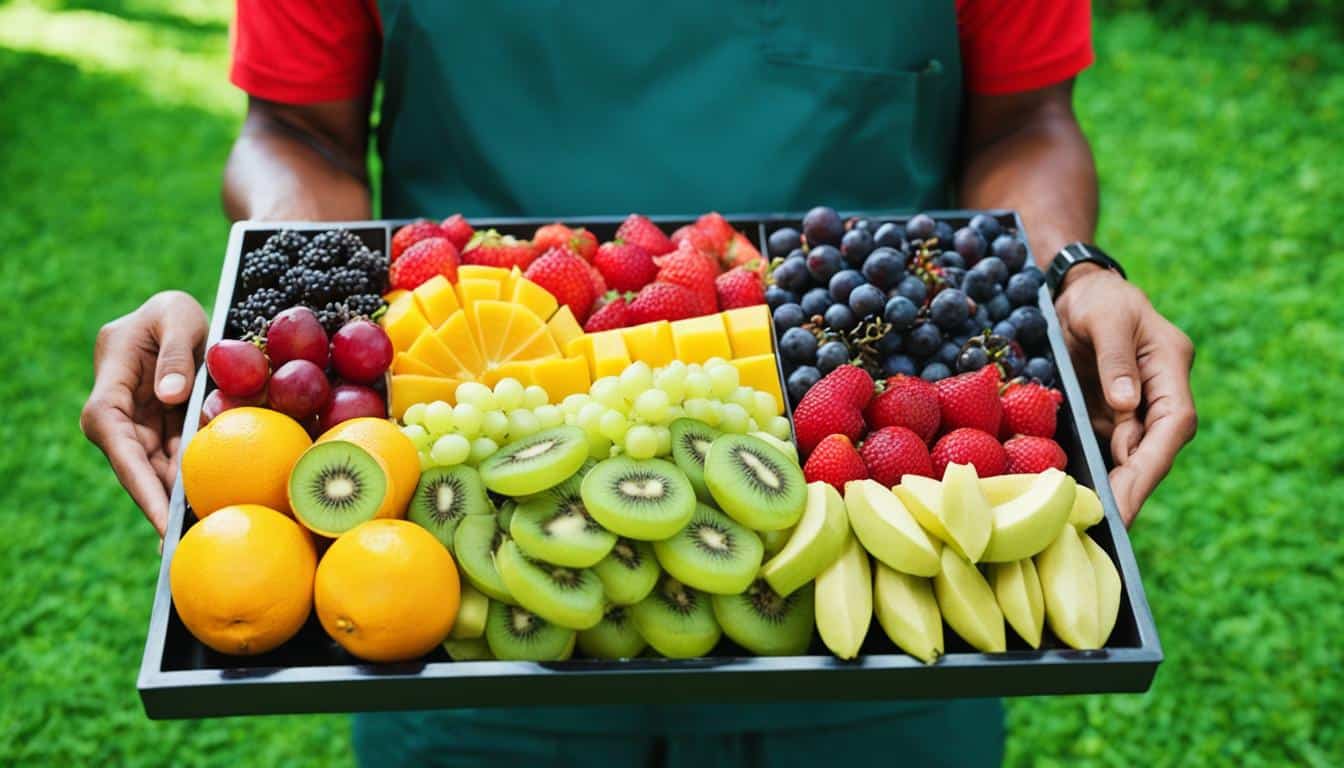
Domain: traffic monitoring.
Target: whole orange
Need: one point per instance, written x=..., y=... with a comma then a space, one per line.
x=242, y=579
x=387, y=590
x=383, y=439
x=243, y=456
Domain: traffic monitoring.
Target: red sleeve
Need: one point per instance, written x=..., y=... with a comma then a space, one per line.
x=1009, y=46
x=306, y=51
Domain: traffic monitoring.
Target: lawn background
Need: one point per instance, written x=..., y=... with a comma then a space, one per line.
x=1220, y=154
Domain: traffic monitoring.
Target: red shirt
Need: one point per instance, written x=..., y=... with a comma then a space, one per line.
x=306, y=51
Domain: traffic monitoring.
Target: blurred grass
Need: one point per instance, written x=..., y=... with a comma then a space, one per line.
x=1219, y=153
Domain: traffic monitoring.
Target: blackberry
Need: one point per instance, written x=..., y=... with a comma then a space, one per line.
x=332, y=316
x=318, y=288
x=371, y=263
x=262, y=268
x=288, y=242
x=364, y=304
x=348, y=282
x=268, y=302
x=330, y=249
x=253, y=313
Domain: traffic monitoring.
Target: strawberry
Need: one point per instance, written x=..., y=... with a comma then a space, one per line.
x=906, y=401
x=420, y=229
x=699, y=242
x=637, y=229
x=598, y=282
x=491, y=249
x=689, y=269
x=579, y=242
x=1029, y=409
x=662, y=301
x=969, y=446
x=741, y=252
x=584, y=243
x=625, y=266
x=971, y=400
x=739, y=287
x=457, y=230
x=1033, y=454
x=613, y=314
x=894, y=451
x=423, y=260
x=834, y=405
x=566, y=277
x=835, y=461
x=716, y=230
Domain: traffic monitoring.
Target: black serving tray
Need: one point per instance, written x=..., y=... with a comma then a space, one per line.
x=181, y=678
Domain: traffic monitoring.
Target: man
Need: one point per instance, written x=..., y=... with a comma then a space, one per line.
x=552, y=109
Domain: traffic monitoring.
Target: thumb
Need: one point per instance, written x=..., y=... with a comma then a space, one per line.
x=1117, y=361
x=180, y=334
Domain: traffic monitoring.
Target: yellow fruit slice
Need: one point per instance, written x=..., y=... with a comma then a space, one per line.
x=470, y=291
x=528, y=294
x=404, y=322
x=749, y=330
x=539, y=346
x=508, y=285
x=404, y=363
x=432, y=353
x=650, y=342
x=491, y=321
x=564, y=328
x=562, y=377
x=482, y=272
x=579, y=346
x=436, y=299
x=524, y=328
x=522, y=371
x=392, y=296
x=760, y=372
x=406, y=390
x=607, y=356
x=456, y=335
x=699, y=338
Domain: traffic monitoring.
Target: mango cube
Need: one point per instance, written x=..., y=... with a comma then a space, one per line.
x=699, y=338
x=761, y=372
x=482, y=272
x=564, y=328
x=528, y=294
x=562, y=377
x=749, y=330
x=404, y=322
x=406, y=390
x=431, y=352
x=404, y=363
x=606, y=353
x=470, y=291
x=436, y=299
x=650, y=342
x=456, y=335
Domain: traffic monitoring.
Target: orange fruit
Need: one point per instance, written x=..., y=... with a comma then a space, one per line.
x=243, y=456
x=242, y=579
x=384, y=440
x=387, y=590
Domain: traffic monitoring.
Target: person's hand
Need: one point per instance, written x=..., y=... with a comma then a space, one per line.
x=1135, y=371
x=144, y=365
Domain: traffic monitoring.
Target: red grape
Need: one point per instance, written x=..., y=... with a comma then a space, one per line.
x=217, y=402
x=299, y=389
x=361, y=351
x=296, y=334
x=238, y=367
x=350, y=401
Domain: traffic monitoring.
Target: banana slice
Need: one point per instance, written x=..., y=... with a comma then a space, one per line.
x=1018, y=590
x=1069, y=585
x=887, y=530
x=815, y=543
x=923, y=497
x=1026, y=524
x=1087, y=510
x=1085, y=513
x=1108, y=588
x=968, y=604
x=908, y=613
x=966, y=513
x=844, y=601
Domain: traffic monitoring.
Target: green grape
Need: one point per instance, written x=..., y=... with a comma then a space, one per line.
x=477, y=394
x=495, y=425
x=599, y=447
x=664, y=441
x=439, y=418
x=607, y=391
x=734, y=419
x=425, y=461
x=698, y=384
x=652, y=405
x=415, y=414
x=779, y=427
x=535, y=397
x=641, y=442
x=635, y=379
x=613, y=425
x=467, y=420
x=700, y=409
x=672, y=380
x=743, y=397
x=723, y=380
x=572, y=403
x=418, y=435
x=673, y=413
x=590, y=415
x=450, y=450
x=764, y=408
x=549, y=416
x=715, y=362
x=522, y=423
x=482, y=448
x=509, y=393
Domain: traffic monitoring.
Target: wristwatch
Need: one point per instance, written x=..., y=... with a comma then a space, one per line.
x=1072, y=255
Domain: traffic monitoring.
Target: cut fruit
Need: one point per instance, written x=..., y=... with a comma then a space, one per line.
x=1026, y=525
x=562, y=377
x=749, y=330
x=887, y=530
x=908, y=613
x=690, y=444
x=629, y=572
x=965, y=512
x=475, y=543
x=476, y=649
x=405, y=390
x=765, y=623
x=535, y=463
x=676, y=620
x=384, y=439
x=564, y=328
x=1108, y=588
x=431, y=351
x=443, y=497
x=482, y=272
x=615, y=637
x=697, y=339
x=1086, y=511
x=568, y=597
x=471, y=290
x=1018, y=589
x=755, y=483
x=645, y=499
x=923, y=499
x=456, y=336
x=471, y=614
x=774, y=541
x=404, y=322
x=403, y=363
x=517, y=634
x=815, y=544
x=844, y=601
x=436, y=299
x=553, y=526
x=528, y=294
x=505, y=513
x=761, y=372
x=606, y=353
x=713, y=553
x=650, y=343
x=539, y=346
x=1069, y=586
x=968, y=604
x=336, y=485
x=785, y=447
x=493, y=322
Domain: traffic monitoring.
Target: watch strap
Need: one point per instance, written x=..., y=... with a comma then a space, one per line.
x=1072, y=255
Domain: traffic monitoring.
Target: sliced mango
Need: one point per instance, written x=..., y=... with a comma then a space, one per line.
x=562, y=377
x=406, y=390
x=456, y=335
x=436, y=299
x=522, y=371
x=564, y=328
x=749, y=330
x=699, y=338
x=481, y=272
x=491, y=321
x=650, y=342
x=528, y=294
x=404, y=363
x=404, y=322
x=761, y=372
x=607, y=355
x=393, y=295
x=539, y=346
x=517, y=343
x=431, y=352
x=472, y=290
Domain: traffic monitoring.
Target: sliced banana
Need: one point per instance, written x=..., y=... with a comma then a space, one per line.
x=1108, y=588
x=968, y=604
x=908, y=613
x=1018, y=590
x=1069, y=585
x=844, y=601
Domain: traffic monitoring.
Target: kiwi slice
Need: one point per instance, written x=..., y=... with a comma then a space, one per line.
x=443, y=497
x=535, y=463
x=677, y=620
x=629, y=572
x=516, y=634
x=472, y=608
x=337, y=485
x=690, y=442
x=713, y=553
x=570, y=597
x=505, y=513
x=615, y=637
x=766, y=624
x=475, y=545
x=475, y=649
x=553, y=526
x=645, y=499
x=755, y=483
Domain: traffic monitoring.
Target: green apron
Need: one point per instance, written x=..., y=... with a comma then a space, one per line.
x=546, y=108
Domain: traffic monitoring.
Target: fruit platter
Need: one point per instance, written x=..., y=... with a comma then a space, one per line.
x=513, y=462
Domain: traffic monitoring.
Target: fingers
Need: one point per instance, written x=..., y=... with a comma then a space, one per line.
x=109, y=426
x=1112, y=336
x=179, y=327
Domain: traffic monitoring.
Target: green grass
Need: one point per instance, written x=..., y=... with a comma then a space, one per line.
x=1220, y=163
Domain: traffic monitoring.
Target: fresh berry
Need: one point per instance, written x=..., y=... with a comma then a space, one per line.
x=425, y=259
x=566, y=277
x=662, y=301
x=613, y=314
x=296, y=334
x=834, y=405
x=639, y=230
x=298, y=389
x=332, y=248
x=584, y=243
x=1033, y=454
x=697, y=240
x=239, y=368
x=906, y=401
x=457, y=230
x=691, y=270
x=835, y=461
x=420, y=229
x=263, y=268
x=596, y=280
x=741, y=252
x=716, y=230
x=550, y=236
x=891, y=452
x=350, y=401
x=361, y=351
x=625, y=266
x=1029, y=409
x=491, y=249
x=971, y=400
x=739, y=287
x=969, y=446
x=822, y=225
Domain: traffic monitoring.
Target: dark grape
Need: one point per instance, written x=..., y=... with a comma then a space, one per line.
x=823, y=225
x=981, y=318
x=1040, y=369
x=800, y=381
x=921, y=226
x=994, y=268
x=867, y=225
x=943, y=231
x=823, y=261
x=1021, y=290
x=867, y=300
x=952, y=259
x=831, y=355
x=855, y=246
x=898, y=365
x=816, y=301
x=949, y=309
x=884, y=267
x=843, y=283
x=947, y=354
x=781, y=241
x=889, y=235
x=961, y=339
x=998, y=307
x=1011, y=251
x=988, y=226
x=1035, y=273
x=798, y=345
x=792, y=274
x=789, y=316
x=1005, y=329
x=1012, y=362
x=913, y=288
x=978, y=285
x=935, y=371
x=776, y=297
x=923, y=340
x=970, y=244
x=841, y=318
x=1030, y=325
x=900, y=312
x=972, y=359
x=953, y=276
x=890, y=344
